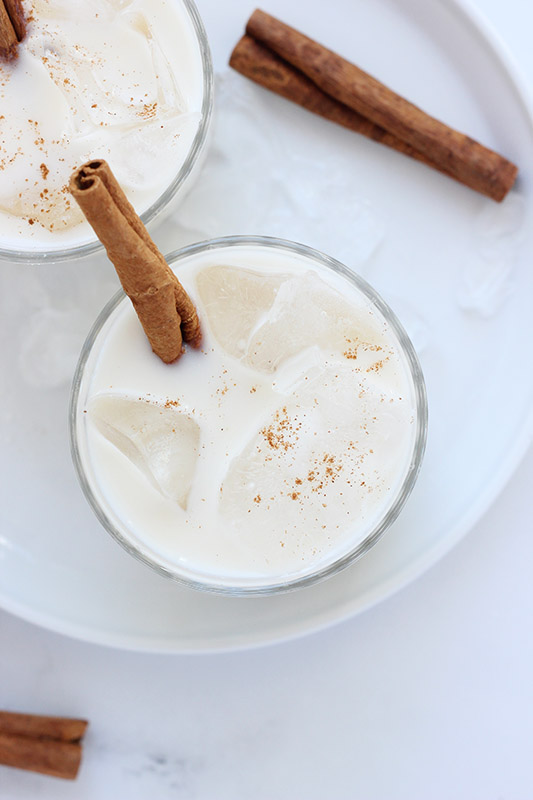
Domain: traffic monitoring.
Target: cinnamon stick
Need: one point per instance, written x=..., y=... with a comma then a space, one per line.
x=48, y=756
x=453, y=152
x=18, y=18
x=65, y=729
x=49, y=745
x=256, y=62
x=12, y=28
x=165, y=310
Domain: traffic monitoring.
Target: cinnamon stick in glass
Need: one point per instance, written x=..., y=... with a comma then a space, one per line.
x=453, y=152
x=18, y=18
x=49, y=745
x=12, y=28
x=164, y=308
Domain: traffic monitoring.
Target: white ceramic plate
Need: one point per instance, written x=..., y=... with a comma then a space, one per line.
x=454, y=266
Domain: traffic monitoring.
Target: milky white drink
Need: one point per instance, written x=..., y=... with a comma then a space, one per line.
x=272, y=451
x=120, y=80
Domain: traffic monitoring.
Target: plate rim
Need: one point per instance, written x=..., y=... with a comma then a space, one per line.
x=483, y=29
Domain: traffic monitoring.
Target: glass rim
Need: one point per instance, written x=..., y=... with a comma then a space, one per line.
x=197, y=147
x=393, y=509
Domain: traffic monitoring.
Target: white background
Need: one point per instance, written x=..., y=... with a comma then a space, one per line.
x=427, y=696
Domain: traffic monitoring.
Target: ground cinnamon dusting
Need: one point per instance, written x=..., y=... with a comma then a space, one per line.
x=282, y=434
x=377, y=365
x=148, y=111
x=168, y=403
x=356, y=345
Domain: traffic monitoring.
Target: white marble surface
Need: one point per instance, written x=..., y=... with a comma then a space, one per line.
x=428, y=695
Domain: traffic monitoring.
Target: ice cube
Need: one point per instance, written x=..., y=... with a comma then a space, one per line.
x=500, y=230
x=266, y=320
x=292, y=189
x=351, y=230
x=306, y=312
x=49, y=347
x=54, y=211
x=102, y=10
x=320, y=457
x=485, y=284
x=157, y=437
x=243, y=143
x=235, y=301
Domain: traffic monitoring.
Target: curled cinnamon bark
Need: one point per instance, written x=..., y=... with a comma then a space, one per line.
x=449, y=150
x=255, y=61
x=164, y=308
x=12, y=28
x=18, y=18
x=49, y=745
x=65, y=729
